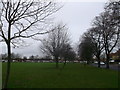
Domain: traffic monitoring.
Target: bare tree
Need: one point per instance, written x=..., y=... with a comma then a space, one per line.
x=67, y=53
x=110, y=28
x=113, y=7
x=86, y=48
x=96, y=36
x=118, y=45
x=0, y=20
x=53, y=44
x=24, y=19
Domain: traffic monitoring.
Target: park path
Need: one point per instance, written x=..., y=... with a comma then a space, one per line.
x=112, y=66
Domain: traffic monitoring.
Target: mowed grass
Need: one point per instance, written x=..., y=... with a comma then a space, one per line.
x=0, y=75
x=74, y=75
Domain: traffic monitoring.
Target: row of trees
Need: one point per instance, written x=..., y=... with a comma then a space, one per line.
x=19, y=57
x=13, y=56
x=104, y=36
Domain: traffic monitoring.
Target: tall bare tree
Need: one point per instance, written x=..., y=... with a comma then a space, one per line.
x=53, y=44
x=97, y=41
x=113, y=7
x=114, y=10
x=24, y=19
x=108, y=23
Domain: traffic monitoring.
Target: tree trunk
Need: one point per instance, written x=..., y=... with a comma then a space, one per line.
x=107, y=61
x=64, y=63
x=57, y=66
x=8, y=66
x=88, y=61
x=9, y=57
x=98, y=61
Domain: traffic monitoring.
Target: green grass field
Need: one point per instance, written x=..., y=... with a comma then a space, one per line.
x=0, y=75
x=74, y=75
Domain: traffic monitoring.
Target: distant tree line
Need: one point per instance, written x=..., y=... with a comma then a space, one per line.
x=20, y=58
x=13, y=56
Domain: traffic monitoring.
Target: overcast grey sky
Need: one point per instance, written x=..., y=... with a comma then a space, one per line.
x=78, y=17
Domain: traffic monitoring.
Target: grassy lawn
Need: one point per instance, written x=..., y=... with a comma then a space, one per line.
x=74, y=75
x=0, y=75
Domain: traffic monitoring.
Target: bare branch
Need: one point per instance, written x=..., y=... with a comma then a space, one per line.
x=24, y=15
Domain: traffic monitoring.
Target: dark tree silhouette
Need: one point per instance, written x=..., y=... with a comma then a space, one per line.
x=67, y=53
x=96, y=36
x=86, y=49
x=54, y=42
x=108, y=24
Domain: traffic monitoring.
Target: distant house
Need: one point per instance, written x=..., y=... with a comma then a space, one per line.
x=116, y=55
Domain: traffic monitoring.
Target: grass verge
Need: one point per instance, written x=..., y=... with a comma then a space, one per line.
x=74, y=75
